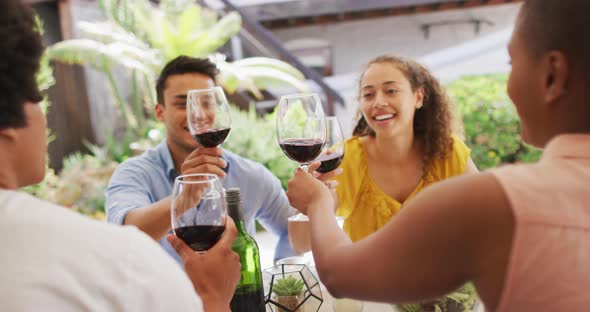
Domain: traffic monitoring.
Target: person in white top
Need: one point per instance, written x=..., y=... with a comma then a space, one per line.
x=56, y=260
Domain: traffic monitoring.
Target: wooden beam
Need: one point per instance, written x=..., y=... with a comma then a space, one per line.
x=69, y=112
x=37, y=1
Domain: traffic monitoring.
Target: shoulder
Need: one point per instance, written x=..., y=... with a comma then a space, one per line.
x=146, y=167
x=145, y=161
x=244, y=165
x=455, y=161
x=103, y=263
x=354, y=153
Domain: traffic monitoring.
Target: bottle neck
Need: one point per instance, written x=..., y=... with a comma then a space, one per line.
x=240, y=226
x=236, y=212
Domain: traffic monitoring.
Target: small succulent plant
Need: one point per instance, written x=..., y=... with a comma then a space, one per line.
x=288, y=286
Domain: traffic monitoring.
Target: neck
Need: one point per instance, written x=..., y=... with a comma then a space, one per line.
x=572, y=118
x=395, y=150
x=178, y=154
x=8, y=173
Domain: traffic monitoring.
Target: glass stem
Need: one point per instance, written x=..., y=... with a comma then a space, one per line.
x=305, y=167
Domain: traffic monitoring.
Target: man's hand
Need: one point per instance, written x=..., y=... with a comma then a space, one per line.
x=214, y=274
x=204, y=160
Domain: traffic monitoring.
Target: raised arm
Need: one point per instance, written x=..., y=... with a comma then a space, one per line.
x=129, y=200
x=452, y=232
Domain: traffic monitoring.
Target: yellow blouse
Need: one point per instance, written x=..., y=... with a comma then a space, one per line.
x=365, y=207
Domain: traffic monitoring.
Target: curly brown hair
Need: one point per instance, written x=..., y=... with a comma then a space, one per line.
x=20, y=50
x=433, y=122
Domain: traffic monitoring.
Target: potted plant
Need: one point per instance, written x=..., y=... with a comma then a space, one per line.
x=288, y=292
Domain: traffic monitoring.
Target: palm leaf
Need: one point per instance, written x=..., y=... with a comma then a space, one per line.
x=99, y=55
x=215, y=37
x=108, y=32
x=266, y=78
x=272, y=63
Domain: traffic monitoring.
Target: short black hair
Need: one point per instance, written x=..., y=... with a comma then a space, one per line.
x=21, y=48
x=184, y=65
x=549, y=25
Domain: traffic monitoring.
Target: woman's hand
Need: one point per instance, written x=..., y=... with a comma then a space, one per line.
x=303, y=189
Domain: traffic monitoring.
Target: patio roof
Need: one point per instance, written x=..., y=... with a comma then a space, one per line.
x=284, y=13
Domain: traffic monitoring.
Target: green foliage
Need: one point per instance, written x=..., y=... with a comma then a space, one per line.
x=288, y=286
x=80, y=185
x=492, y=127
x=141, y=37
x=255, y=138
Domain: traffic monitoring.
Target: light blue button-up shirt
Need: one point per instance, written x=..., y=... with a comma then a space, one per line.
x=143, y=180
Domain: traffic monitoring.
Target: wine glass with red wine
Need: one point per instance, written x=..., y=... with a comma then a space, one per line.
x=198, y=210
x=333, y=150
x=208, y=117
x=301, y=127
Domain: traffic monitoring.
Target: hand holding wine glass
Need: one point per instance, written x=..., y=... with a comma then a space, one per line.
x=214, y=274
x=198, y=210
x=209, y=122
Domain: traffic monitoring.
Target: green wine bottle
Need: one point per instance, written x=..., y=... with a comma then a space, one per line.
x=249, y=295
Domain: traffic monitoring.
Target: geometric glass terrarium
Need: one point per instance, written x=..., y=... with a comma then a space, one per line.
x=290, y=288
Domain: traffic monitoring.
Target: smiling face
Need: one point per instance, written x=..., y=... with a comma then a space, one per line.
x=173, y=111
x=387, y=100
x=202, y=110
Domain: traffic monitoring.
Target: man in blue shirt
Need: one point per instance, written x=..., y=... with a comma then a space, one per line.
x=139, y=190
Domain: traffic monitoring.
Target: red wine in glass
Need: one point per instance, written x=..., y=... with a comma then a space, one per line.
x=329, y=162
x=208, y=116
x=200, y=237
x=301, y=150
x=212, y=138
x=333, y=152
x=198, y=210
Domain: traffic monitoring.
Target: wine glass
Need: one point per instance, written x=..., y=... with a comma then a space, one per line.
x=333, y=150
x=208, y=116
x=198, y=210
x=301, y=127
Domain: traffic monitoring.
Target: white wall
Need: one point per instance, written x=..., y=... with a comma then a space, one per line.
x=355, y=43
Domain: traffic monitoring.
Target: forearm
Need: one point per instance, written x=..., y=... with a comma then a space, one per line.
x=154, y=219
x=326, y=237
x=213, y=304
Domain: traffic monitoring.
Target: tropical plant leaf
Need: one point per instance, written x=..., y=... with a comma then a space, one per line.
x=266, y=62
x=108, y=32
x=215, y=37
x=189, y=23
x=99, y=55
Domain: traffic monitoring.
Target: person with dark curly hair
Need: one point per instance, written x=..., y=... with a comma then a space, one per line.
x=520, y=233
x=402, y=143
x=58, y=260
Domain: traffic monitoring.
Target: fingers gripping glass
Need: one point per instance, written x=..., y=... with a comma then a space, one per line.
x=198, y=210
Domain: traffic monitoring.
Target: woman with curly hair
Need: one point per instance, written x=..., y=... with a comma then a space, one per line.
x=402, y=143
